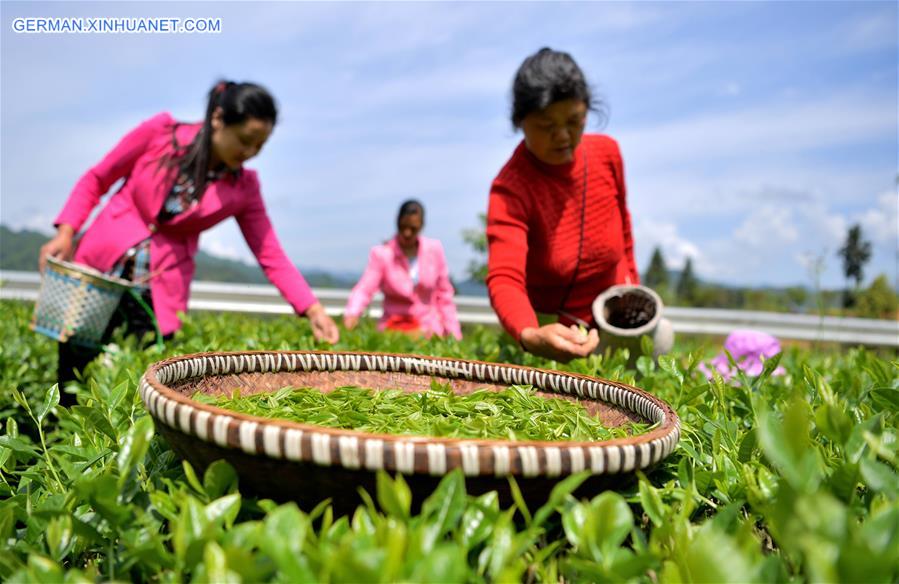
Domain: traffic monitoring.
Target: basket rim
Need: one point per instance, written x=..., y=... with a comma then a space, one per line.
x=180, y=412
x=87, y=273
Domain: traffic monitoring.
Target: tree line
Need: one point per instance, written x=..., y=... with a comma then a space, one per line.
x=684, y=288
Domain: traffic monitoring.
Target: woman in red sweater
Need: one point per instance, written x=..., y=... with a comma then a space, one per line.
x=558, y=228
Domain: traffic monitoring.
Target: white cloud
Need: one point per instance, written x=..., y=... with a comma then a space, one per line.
x=767, y=227
x=732, y=157
x=731, y=89
x=47, y=157
x=771, y=129
x=781, y=244
x=871, y=31
x=821, y=224
x=882, y=223
x=225, y=240
x=649, y=234
x=42, y=222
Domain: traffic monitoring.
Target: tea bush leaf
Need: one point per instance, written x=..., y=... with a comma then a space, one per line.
x=776, y=478
x=651, y=502
x=879, y=477
x=134, y=447
x=712, y=556
x=219, y=479
x=51, y=400
x=394, y=495
x=443, y=509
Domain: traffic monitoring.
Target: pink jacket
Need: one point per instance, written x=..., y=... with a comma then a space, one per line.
x=430, y=301
x=130, y=217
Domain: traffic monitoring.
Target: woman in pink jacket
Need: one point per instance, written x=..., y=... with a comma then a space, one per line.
x=411, y=271
x=180, y=180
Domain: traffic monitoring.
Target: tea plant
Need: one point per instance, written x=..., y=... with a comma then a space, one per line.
x=777, y=478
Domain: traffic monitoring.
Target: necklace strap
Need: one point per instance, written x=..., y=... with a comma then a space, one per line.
x=580, y=244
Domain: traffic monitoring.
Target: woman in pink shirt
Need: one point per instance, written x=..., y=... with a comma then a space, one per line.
x=180, y=179
x=411, y=271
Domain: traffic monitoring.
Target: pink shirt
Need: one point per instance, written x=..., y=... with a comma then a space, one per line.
x=430, y=300
x=130, y=217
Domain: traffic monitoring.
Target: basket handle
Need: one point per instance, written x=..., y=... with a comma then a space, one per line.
x=140, y=301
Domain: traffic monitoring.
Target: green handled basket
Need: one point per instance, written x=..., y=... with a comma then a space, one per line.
x=76, y=303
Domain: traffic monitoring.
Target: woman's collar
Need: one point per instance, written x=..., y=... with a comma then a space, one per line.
x=398, y=249
x=565, y=170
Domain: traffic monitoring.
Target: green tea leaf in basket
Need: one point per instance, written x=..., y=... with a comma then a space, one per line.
x=514, y=413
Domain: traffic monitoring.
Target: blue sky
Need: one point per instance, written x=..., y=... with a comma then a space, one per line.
x=753, y=133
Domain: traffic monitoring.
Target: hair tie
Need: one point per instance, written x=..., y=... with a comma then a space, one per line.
x=220, y=88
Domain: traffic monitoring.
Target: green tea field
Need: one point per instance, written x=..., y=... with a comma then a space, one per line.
x=776, y=478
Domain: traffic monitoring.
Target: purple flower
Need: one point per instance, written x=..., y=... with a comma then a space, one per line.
x=749, y=349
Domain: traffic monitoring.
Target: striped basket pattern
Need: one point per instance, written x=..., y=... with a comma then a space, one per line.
x=410, y=455
x=76, y=303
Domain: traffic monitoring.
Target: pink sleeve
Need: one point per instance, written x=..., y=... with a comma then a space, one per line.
x=117, y=164
x=365, y=288
x=444, y=295
x=260, y=236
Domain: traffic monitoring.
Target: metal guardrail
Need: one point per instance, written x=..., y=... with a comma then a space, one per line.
x=265, y=299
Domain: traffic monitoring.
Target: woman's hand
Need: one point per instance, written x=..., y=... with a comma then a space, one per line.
x=323, y=327
x=559, y=342
x=61, y=246
x=350, y=322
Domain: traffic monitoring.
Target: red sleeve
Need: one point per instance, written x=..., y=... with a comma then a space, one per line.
x=507, y=252
x=117, y=164
x=618, y=163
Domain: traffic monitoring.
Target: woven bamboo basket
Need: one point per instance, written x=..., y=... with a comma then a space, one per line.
x=76, y=303
x=290, y=461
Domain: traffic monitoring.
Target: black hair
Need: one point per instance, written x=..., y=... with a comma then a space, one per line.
x=544, y=78
x=410, y=207
x=239, y=101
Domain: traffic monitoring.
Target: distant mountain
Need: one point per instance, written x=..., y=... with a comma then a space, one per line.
x=470, y=288
x=19, y=251
x=217, y=269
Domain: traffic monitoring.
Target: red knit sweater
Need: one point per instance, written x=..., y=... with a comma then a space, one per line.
x=533, y=231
